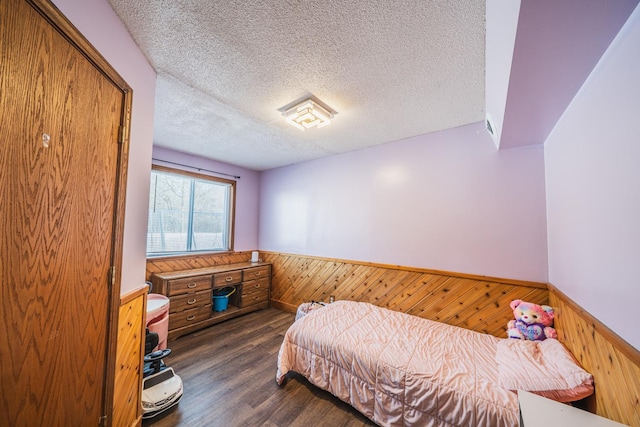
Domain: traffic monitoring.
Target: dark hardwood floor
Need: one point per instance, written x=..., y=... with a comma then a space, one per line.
x=229, y=373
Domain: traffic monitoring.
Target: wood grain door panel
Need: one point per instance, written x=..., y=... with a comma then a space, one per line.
x=57, y=222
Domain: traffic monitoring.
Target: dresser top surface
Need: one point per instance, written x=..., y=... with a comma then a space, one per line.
x=169, y=275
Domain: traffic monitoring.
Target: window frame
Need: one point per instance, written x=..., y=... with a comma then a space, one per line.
x=232, y=210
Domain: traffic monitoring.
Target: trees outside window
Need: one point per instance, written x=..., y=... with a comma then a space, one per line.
x=189, y=212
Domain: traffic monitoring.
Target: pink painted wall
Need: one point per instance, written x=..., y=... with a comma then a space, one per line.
x=593, y=189
x=447, y=200
x=557, y=45
x=101, y=26
x=247, y=187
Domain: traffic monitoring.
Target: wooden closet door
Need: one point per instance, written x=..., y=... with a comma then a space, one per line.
x=59, y=157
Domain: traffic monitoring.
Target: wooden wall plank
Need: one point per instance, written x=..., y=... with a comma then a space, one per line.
x=614, y=364
x=411, y=300
x=354, y=284
x=474, y=302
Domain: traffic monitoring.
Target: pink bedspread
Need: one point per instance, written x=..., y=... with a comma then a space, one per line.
x=397, y=369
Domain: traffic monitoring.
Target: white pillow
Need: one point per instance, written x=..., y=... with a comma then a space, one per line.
x=546, y=368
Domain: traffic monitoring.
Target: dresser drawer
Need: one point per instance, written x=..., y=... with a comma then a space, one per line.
x=189, y=284
x=255, y=273
x=254, y=286
x=228, y=278
x=257, y=297
x=255, y=292
x=189, y=317
x=188, y=301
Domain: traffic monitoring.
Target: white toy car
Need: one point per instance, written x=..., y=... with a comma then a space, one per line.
x=161, y=386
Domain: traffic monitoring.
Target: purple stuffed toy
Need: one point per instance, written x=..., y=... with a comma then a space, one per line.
x=533, y=322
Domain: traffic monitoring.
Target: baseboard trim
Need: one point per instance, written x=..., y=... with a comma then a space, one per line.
x=280, y=305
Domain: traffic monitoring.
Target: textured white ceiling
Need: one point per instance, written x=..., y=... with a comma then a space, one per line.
x=391, y=70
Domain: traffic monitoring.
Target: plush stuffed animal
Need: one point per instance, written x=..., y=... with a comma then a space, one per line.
x=533, y=322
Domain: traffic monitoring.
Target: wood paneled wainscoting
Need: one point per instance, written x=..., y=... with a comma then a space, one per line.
x=614, y=363
x=474, y=302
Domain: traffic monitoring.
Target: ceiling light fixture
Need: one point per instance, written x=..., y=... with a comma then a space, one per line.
x=307, y=114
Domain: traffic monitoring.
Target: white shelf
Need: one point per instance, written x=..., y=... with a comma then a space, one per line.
x=538, y=411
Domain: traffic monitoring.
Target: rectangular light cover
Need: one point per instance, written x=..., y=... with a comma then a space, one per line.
x=307, y=114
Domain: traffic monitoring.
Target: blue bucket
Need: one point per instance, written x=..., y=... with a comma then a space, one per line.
x=221, y=298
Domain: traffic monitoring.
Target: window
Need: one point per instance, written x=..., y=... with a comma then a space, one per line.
x=189, y=212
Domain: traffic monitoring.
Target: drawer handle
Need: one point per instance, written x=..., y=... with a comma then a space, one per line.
x=228, y=279
x=192, y=301
x=256, y=298
x=192, y=285
x=257, y=285
x=190, y=318
x=257, y=273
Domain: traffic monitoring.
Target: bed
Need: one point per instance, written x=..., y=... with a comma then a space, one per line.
x=399, y=369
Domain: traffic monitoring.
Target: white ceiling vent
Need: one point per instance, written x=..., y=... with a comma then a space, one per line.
x=492, y=129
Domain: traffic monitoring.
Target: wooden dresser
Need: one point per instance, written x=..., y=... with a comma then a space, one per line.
x=191, y=293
